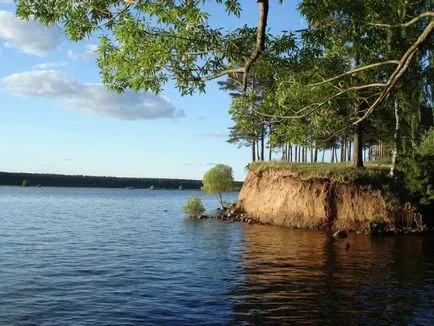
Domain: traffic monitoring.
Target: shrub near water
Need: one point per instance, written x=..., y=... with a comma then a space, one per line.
x=419, y=170
x=193, y=207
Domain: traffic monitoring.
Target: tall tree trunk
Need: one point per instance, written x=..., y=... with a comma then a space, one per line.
x=358, y=147
x=323, y=155
x=379, y=149
x=315, y=152
x=262, y=142
x=311, y=153
x=253, y=151
x=295, y=153
x=290, y=152
x=299, y=154
x=358, y=141
x=396, y=140
x=270, y=149
x=343, y=142
x=349, y=150
x=303, y=151
x=332, y=156
x=258, y=154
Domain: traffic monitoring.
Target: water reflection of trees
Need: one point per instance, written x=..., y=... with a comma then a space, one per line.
x=302, y=277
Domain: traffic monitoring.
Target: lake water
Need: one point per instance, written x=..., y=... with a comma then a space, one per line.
x=129, y=257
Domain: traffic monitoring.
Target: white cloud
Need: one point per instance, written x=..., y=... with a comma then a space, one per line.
x=88, y=53
x=202, y=164
x=89, y=98
x=50, y=65
x=29, y=37
x=212, y=134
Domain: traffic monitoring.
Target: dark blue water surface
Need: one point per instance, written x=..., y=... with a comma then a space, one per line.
x=129, y=257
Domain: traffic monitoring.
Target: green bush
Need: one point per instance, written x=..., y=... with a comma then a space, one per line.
x=418, y=170
x=193, y=207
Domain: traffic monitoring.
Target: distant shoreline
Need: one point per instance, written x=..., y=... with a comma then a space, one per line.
x=85, y=181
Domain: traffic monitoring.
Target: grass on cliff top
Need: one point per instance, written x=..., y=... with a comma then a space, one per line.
x=372, y=174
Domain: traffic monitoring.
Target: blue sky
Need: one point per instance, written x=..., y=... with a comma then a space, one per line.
x=56, y=117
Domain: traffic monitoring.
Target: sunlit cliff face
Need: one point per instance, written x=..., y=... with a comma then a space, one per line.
x=280, y=198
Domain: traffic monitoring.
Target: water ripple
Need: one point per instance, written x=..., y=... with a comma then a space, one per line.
x=129, y=257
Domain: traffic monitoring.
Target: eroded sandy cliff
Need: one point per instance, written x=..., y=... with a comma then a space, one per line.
x=281, y=198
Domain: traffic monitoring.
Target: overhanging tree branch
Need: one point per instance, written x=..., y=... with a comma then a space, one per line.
x=222, y=73
x=407, y=24
x=260, y=39
x=353, y=71
x=400, y=70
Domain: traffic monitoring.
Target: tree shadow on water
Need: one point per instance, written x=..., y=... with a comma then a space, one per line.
x=298, y=277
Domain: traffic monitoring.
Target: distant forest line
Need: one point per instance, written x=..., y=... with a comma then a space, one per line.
x=60, y=180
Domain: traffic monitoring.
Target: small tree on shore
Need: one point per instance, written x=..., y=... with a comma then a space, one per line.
x=217, y=180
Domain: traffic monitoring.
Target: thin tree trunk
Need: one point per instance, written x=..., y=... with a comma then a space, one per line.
x=303, y=151
x=332, y=156
x=295, y=153
x=379, y=149
x=315, y=152
x=323, y=155
x=396, y=140
x=258, y=154
x=262, y=143
x=343, y=141
x=358, y=141
x=299, y=153
x=358, y=148
x=311, y=153
x=221, y=199
x=349, y=150
x=290, y=152
x=270, y=149
x=253, y=151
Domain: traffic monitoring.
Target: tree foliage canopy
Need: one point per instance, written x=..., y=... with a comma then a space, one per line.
x=146, y=43
x=217, y=180
x=357, y=61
